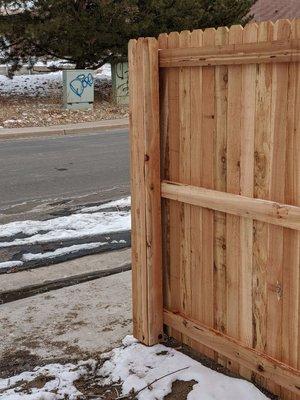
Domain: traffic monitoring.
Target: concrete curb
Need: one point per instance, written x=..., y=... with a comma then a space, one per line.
x=62, y=130
x=32, y=290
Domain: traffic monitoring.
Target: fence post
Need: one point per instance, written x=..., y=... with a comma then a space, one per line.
x=145, y=189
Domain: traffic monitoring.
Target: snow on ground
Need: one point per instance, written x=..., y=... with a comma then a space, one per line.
x=80, y=225
x=59, y=383
x=122, y=203
x=148, y=371
x=42, y=85
x=83, y=225
x=31, y=85
x=10, y=264
x=62, y=251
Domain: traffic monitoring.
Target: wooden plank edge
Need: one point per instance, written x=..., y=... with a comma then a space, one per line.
x=237, y=48
x=230, y=59
x=153, y=192
x=268, y=211
x=259, y=362
x=276, y=51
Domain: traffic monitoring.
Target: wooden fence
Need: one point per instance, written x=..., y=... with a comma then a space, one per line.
x=215, y=153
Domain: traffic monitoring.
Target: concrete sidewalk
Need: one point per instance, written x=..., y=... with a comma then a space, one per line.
x=70, y=323
x=61, y=130
x=78, y=266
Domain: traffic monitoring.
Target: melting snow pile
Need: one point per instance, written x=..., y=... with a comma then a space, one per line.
x=146, y=371
x=83, y=224
x=138, y=366
x=86, y=223
x=58, y=383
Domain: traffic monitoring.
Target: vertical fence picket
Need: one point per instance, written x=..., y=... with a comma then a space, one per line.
x=233, y=247
x=262, y=171
x=184, y=94
x=247, y=189
x=220, y=179
x=282, y=30
x=173, y=154
x=207, y=134
x=146, y=208
x=164, y=83
x=291, y=256
x=196, y=212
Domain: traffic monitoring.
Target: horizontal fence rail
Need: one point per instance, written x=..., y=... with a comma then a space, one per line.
x=215, y=174
x=261, y=210
x=257, y=361
x=248, y=53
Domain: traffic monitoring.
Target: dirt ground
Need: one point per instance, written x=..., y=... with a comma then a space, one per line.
x=89, y=388
x=21, y=111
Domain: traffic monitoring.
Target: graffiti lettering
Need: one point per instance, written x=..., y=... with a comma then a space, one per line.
x=122, y=74
x=80, y=83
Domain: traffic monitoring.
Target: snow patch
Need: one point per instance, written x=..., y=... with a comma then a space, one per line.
x=61, y=228
x=62, y=251
x=121, y=203
x=10, y=264
x=138, y=366
x=46, y=84
x=61, y=386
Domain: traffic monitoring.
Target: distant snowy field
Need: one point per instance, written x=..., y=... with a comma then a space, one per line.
x=43, y=85
x=148, y=372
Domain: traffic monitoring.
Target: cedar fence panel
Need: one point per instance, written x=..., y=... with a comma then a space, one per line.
x=215, y=155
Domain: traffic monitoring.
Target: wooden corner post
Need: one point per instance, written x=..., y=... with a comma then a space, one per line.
x=145, y=190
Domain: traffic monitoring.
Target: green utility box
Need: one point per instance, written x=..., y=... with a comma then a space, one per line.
x=119, y=75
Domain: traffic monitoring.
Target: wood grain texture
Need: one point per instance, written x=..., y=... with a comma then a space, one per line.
x=232, y=54
x=229, y=182
x=282, y=30
x=262, y=172
x=282, y=215
x=220, y=184
x=174, y=167
x=146, y=210
x=235, y=350
x=165, y=171
x=207, y=137
x=233, y=226
x=196, y=226
x=250, y=35
x=291, y=244
x=184, y=94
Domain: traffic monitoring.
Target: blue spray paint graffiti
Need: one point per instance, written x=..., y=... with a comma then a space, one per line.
x=80, y=83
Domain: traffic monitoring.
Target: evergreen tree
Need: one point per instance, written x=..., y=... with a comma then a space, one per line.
x=90, y=33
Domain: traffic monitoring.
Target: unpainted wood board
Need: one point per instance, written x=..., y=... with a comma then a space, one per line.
x=250, y=35
x=291, y=245
x=174, y=166
x=207, y=180
x=153, y=239
x=233, y=247
x=196, y=230
x=185, y=177
x=262, y=176
x=220, y=181
x=165, y=171
x=282, y=30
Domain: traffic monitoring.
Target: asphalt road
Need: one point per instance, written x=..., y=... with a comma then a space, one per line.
x=61, y=167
